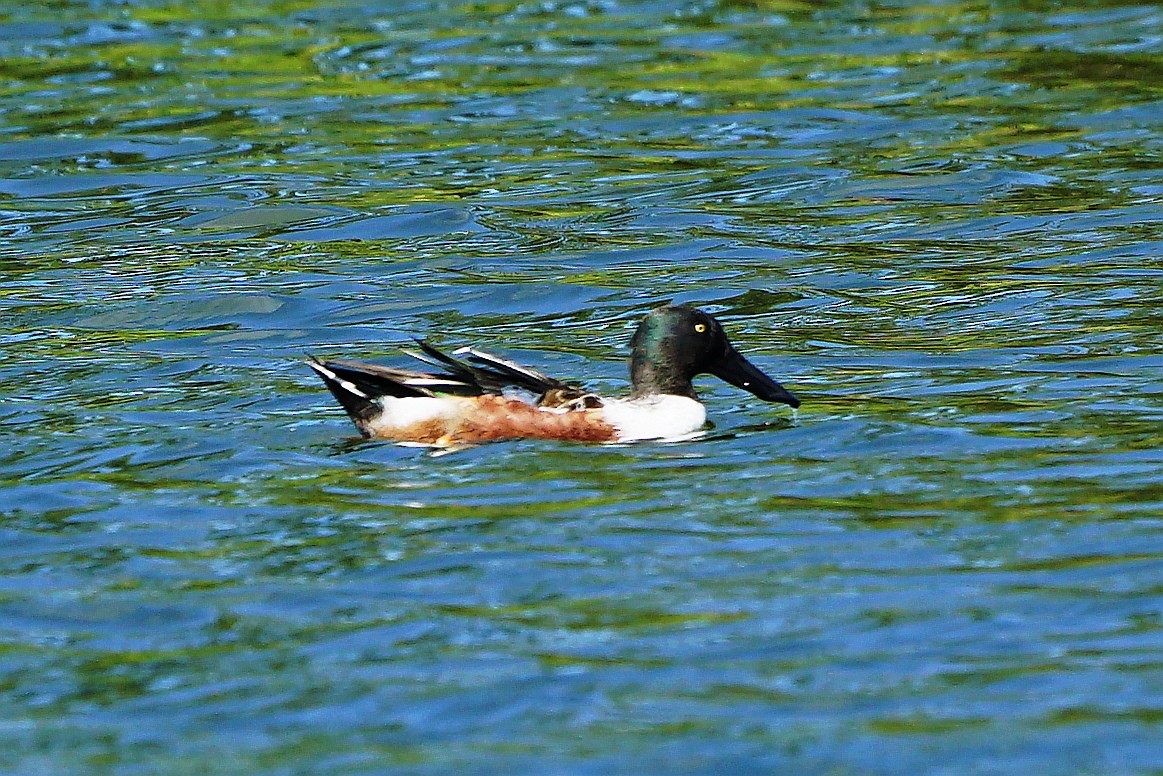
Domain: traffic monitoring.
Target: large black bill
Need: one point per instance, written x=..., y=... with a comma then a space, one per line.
x=741, y=373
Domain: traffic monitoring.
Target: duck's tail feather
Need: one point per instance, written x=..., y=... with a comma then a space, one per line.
x=353, y=397
x=358, y=386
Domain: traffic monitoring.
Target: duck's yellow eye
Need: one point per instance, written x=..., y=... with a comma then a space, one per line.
x=700, y=327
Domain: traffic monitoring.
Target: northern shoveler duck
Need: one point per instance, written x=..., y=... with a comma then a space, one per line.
x=480, y=397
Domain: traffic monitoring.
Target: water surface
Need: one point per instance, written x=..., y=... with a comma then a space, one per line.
x=939, y=224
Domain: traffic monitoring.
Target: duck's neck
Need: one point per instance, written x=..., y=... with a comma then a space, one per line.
x=650, y=377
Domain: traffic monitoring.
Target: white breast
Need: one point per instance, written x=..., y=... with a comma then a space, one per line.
x=654, y=417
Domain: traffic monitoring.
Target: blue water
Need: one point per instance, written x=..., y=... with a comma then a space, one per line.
x=939, y=224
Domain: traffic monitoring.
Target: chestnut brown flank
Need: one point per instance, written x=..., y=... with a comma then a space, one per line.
x=490, y=418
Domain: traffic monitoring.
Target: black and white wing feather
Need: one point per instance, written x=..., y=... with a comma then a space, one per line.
x=357, y=385
x=491, y=374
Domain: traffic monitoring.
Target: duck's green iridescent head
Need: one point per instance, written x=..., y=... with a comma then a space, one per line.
x=675, y=343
